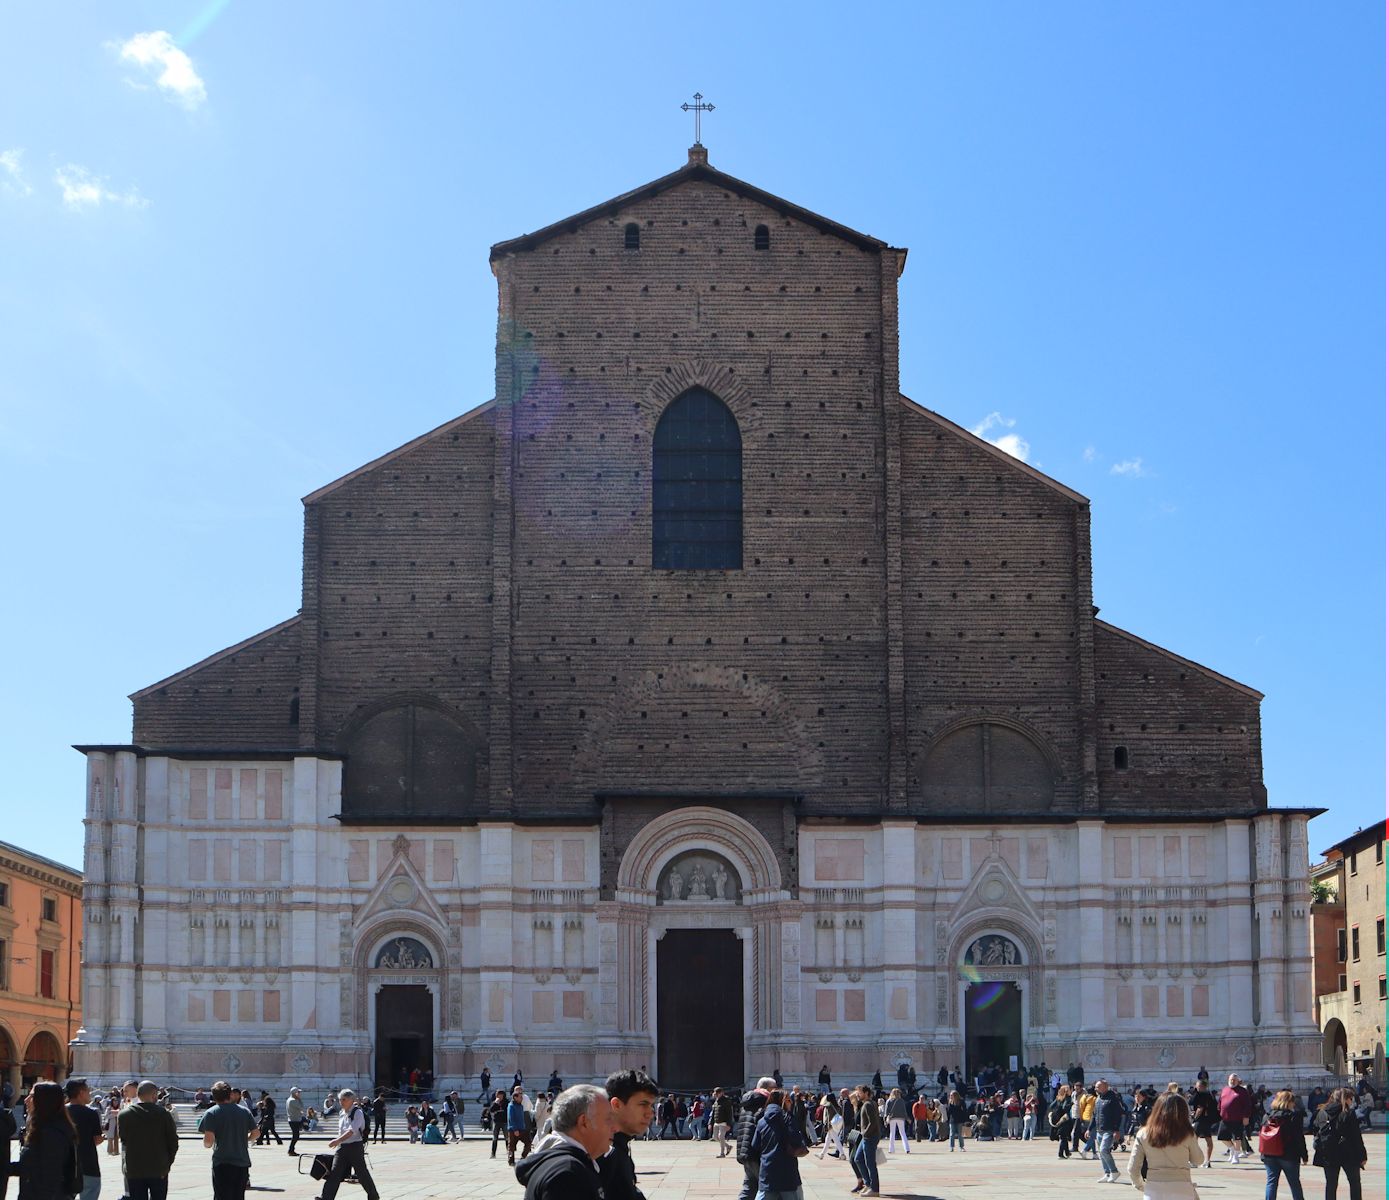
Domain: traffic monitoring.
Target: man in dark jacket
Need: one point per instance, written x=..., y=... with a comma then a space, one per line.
x=568, y=1168
x=632, y=1097
x=750, y=1112
x=150, y=1138
x=1109, y=1120
x=776, y=1144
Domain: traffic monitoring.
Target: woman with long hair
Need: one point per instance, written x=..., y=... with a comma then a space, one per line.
x=1059, y=1116
x=1339, y=1146
x=48, y=1167
x=957, y=1118
x=1283, y=1145
x=1167, y=1146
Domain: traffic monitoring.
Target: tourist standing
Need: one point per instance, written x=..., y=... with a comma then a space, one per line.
x=777, y=1143
x=496, y=1112
x=1236, y=1107
x=1030, y=1107
x=1338, y=1145
x=920, y=1132
x=1205, y=1116
x=350, y=1149
x=150, y=1138
x=1109, y=1120
x=1283, y=1146
x=896, y=1112
x=568, y=1168
x=294, y=1114
x=870, y=1134
x=378, y=1116
x=227, y=1129
x=956, y=1119
x=518, y=1129
x=1167, y=1147
x=485, y=1079
x=822, y=1081
x=89, y=1137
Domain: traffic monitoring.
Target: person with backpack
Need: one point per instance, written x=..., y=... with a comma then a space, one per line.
x=750, y=1113
x=1338, y=1146
x=1282, y=1145
x=350, y=1149
x=777, y=1141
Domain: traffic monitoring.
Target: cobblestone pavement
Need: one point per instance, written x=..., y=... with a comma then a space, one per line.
x=693, y=1171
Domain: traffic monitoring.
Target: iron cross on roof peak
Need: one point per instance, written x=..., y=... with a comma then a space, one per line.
x=698, y=108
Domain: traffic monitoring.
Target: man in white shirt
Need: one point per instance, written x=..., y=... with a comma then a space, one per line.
x=349, y=1149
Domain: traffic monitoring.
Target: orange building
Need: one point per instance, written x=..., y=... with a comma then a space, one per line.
x=40, y=965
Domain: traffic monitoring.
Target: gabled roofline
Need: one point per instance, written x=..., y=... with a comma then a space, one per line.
x=312, y=497
x=1367, y=835
x=1002, y=455
x=1177, y=658
x=212, y=658
x=694, y=170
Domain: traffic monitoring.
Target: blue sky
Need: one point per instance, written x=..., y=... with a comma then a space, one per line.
x=243, y=249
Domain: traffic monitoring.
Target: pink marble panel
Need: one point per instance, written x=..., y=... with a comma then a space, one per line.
x=1172, y=856
x=1201, y=1000
x=358, y=860
x=197, y=860
x=1176, y=1000
x=1196, y=853
x=274, y=795
x=573, y=1005
x=443, y=861
x=1123, y=858
x=197, y=1007
x=221, y=860
x=221, y=1005
x=274, y=862
x=952, y=858
x=543, y=860
x=572, y=860
x=249, y=808
x=222, y=794
x=826, y=1005
x=270, y=1005
x=197, y=793
x=542, y=1008
x=1123, y=1000
x=855, y=1004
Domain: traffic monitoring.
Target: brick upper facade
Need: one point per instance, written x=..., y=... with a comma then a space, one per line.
x=902, y=581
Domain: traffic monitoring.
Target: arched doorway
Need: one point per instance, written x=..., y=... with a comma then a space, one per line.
x=700, y=941
x=43, y=1059
x=1334, y=1047
x=404, y=1012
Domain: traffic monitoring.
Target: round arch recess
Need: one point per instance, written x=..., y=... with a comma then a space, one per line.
x=699, y=827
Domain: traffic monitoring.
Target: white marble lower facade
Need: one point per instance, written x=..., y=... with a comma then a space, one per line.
x=235, y=928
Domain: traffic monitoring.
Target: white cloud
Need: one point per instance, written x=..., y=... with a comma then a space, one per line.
x=172, y=69
x=12, y=181
x=1009, y=443
x=83, y=191
x=1132, y=467
x=1088, y=454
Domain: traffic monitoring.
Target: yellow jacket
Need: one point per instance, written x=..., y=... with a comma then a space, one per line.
x=1087, y=1107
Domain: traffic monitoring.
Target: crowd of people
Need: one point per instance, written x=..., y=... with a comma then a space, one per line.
x=768, y=1129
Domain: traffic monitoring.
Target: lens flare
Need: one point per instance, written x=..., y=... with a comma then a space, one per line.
x=982, y=995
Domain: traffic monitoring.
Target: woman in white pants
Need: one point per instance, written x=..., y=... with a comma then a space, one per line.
x=896, y=1113
x=834, y=1125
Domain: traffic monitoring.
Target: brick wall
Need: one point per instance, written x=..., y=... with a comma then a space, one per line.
x=900, y=576
x=1192, y=738
x=238, y=699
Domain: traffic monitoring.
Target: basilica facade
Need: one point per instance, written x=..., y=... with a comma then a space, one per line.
x=702, y=702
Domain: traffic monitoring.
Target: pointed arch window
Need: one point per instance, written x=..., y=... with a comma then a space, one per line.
x=697, y=486
x=631, y=236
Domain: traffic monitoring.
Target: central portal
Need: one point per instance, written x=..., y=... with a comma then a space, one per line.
x=404, y=1033
x=699, y=1009
x=993, y=1025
